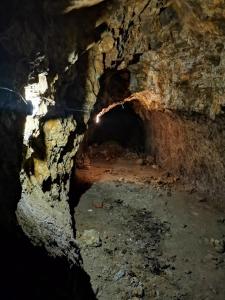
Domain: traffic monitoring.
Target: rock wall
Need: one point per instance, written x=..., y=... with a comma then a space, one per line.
x=172, y=50
x=43, y=211
x=46, y=46
x=170, y=56
x=191, y=147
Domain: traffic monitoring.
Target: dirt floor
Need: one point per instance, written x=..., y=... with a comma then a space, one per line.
x=145, y=236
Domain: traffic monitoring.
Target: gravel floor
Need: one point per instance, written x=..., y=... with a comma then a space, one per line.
x=142, y=237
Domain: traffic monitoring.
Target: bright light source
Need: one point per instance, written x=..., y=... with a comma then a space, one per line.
x=33, y=93
x=97, y=120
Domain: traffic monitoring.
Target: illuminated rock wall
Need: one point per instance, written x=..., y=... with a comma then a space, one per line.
x=172, y=50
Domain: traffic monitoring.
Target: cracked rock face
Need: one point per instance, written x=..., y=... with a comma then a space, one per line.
x=168, y=54
x=43, y=211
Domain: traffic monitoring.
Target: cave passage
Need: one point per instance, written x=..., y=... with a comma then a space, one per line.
x=119, y=134
x=112, y=161
x=121, y=125
x=139, y=230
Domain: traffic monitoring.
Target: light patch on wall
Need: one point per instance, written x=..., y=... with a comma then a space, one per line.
x=148, y=99
x=97, y=119
x=33, y=93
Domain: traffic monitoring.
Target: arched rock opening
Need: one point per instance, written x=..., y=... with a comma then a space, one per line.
x=122, y=125
x=187, y=145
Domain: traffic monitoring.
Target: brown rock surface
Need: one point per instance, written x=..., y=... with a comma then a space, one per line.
x=168, y=54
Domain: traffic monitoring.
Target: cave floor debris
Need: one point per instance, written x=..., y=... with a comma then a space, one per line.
x=157, y=241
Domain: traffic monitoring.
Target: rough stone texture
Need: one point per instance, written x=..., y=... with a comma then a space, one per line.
x=173, y=58
x=54, y=132
x=192, y=147
x=170, y=54
x=90, y=238
x=171, y=50
x=43, y=211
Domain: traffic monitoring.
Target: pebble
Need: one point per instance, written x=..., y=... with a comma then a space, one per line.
x=219, y=245
x=119, y=275
x=139, y=161
x=155, y=166
x=91, y=238
x=98, y=204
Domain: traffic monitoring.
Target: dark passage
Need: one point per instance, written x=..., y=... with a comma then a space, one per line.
x=121, y=125
x=119, y=132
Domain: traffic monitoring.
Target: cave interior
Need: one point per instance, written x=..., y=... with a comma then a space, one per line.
x=112, y=157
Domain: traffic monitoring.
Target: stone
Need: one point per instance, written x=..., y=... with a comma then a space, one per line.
x=219, y=245
x=138, y=291
x=119, y=275
x=98, y=204
x=139, y=161
x=90, y=238
x=155, y=167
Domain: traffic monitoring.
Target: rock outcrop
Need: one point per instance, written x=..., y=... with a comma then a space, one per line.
x=90, y=57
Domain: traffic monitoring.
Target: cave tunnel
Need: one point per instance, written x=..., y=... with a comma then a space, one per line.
x=122, y=125
x=132, y=158
x=112, y=187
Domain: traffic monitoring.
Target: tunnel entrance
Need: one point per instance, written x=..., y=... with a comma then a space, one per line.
x=118, y=133
x=133, y=216
x=120, y=125
x=117, y=139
